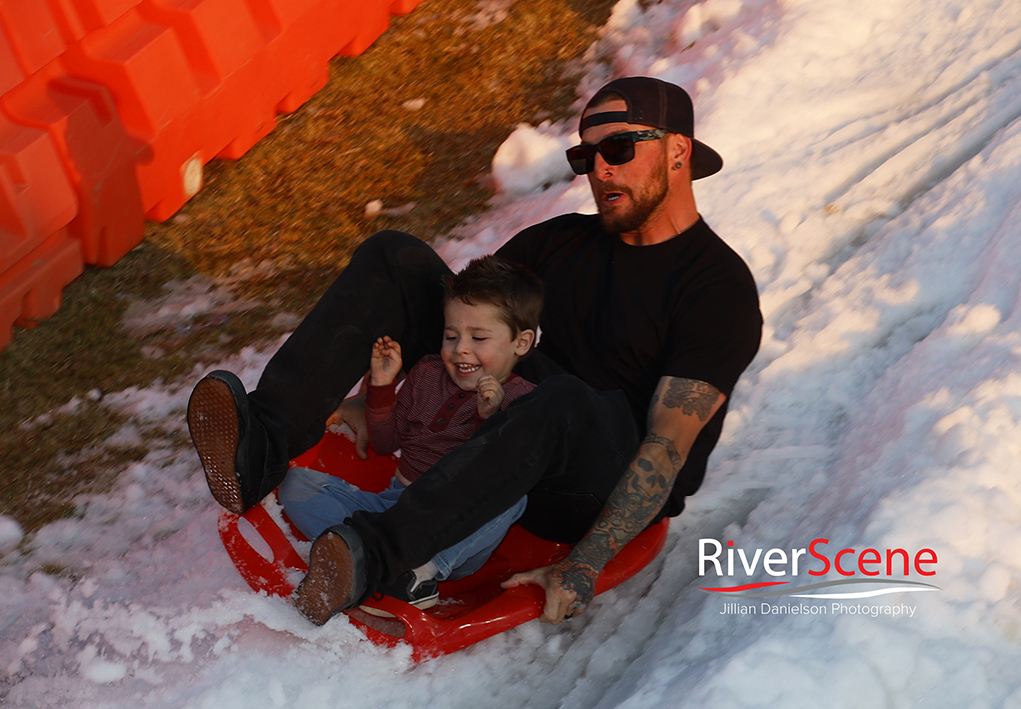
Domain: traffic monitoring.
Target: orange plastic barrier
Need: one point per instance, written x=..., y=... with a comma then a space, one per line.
x=36, y=196
x=33, y=33
x=37, y=256
x=100, y=156
x=298, y=69
x=144, y=66
x=372, y=19
x=30, y=291
x=10, y=73
x=109, y=109
x=225, y=47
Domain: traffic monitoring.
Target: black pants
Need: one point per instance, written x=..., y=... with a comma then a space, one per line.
x=565, y=445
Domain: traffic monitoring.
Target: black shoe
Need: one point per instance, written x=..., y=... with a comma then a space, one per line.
x=221, y=430
x=336, y=576
x=407, y=588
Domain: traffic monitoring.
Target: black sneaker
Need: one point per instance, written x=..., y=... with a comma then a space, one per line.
x=221, y=430
x=407, y=588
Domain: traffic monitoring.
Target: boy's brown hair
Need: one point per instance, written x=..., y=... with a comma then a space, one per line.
x=513, y=290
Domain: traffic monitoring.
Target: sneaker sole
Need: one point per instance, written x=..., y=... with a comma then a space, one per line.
x=213, y=423
x=329, y=585
x=424, y=605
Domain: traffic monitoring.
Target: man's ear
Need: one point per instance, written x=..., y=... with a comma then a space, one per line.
x=680, y=147
x=523, y=342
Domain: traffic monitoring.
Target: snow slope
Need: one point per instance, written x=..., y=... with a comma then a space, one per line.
x=873, y=184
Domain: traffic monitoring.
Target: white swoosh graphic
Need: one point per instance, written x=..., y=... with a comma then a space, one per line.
x=862, y=594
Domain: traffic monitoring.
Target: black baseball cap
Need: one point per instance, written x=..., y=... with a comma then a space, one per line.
x=656, y=103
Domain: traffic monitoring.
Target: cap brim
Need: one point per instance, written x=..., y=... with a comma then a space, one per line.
x=704, y=161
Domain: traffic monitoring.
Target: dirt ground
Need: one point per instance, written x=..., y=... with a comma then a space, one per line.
x=414, y=122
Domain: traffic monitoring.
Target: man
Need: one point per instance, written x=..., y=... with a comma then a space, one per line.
x=649, y=321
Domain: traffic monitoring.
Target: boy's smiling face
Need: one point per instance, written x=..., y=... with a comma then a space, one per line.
x=477, y=342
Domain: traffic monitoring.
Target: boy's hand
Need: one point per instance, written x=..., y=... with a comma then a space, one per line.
x=490, y=396
x=385, y=363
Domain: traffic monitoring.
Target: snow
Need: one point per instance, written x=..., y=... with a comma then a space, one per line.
x=10, y=532
x=531, y=159
x=873, y=184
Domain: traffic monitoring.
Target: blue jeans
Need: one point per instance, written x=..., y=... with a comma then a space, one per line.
x=315, y=501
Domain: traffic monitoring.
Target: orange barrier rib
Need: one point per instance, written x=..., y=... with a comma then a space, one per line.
x=299, y=68
x=113, y=107
x=10, y=72
x=100, y=157
x=33, y=34
x=145, y=67
x=37, y=256
x=91, y=14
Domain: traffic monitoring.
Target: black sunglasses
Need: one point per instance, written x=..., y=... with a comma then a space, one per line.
x=616, y=150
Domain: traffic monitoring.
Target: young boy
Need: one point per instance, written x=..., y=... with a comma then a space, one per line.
x=491, y=312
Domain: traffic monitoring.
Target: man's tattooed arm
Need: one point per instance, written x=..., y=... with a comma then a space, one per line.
x=692, y=397
x=635, y=501
x=679, y=410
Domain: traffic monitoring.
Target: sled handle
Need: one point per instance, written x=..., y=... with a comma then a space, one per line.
x=262, y=574
x=429, y=637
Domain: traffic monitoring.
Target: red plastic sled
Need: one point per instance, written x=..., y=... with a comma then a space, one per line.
x=470, y=609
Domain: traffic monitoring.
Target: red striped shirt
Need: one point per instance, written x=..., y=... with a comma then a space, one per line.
x=429, y=417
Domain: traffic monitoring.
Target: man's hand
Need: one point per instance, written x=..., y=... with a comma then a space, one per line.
x=569, y=588
x=490, y=396
x=385, y=363
x=352, y=412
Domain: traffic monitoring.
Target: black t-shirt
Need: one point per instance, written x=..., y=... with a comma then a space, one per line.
x=621, y=316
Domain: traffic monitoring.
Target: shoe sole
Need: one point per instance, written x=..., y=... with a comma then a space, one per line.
x=424, y=605
x=328, y=588
x=215, y=432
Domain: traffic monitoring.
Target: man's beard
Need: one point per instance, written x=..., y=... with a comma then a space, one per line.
x=642, y=205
